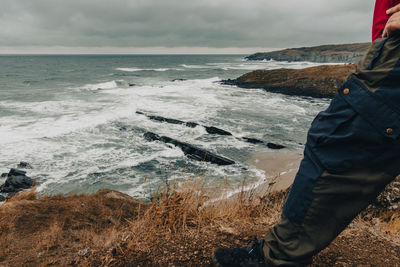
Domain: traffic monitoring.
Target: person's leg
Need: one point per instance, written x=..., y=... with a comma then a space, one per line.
x=347, y=163
x=337, y=199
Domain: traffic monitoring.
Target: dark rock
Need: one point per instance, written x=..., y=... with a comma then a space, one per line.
x=2, y=198
x=209, y=129
x=16, y=172
x=24, y=165
x=149, y=136
x=274, y=146
x=4, y=175
x=191, y=124
x=132, y=84
x=347, y=53
x=256, y=141
x=252, y=140
x=16, y=181
x=162, y=119
x=178, y=80
x=320, y=81
x=215, y=130
x=168, y=120
x=189, y=150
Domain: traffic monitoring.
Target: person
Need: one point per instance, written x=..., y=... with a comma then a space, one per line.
x=352, y=152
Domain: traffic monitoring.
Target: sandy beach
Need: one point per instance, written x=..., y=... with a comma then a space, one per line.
x=280, y=168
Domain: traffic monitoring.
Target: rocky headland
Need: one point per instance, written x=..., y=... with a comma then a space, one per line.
x=344, y=53
x=320, y=81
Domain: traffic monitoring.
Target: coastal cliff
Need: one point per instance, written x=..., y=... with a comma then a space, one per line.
x=180, y=227
x=320, y=81
x=345, y=53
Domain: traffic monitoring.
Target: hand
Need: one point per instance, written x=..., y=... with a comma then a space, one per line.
x=393, y=24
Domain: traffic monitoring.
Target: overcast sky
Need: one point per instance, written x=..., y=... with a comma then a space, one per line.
x=172, y=26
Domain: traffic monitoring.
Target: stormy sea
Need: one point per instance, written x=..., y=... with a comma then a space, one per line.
x=80, y=120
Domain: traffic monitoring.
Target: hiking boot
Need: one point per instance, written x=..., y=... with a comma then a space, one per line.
x=251, y=256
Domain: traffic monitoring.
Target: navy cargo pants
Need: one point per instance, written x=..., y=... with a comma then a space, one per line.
x=352, y=153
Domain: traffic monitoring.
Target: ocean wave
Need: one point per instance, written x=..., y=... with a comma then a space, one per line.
x=138, y=69
x=195, y=66
x=98, y=86
x=254, y=65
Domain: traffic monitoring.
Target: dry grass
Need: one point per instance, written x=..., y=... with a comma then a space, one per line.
x=181, y=226
x=53, y=229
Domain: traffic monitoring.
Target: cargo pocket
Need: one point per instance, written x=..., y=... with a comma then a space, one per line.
x=341, y=139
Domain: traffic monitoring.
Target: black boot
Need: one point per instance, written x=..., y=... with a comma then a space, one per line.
x=251, y=256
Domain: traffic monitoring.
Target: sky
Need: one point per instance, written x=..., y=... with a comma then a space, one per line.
x=179, y=26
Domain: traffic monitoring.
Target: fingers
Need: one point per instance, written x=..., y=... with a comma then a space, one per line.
x=392, y=26
x=393, y=10
x=385, y=33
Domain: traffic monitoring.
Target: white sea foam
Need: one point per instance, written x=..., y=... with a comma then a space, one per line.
x=76, y=135
x=61, y=117
x=195, y=66
x=99, y=86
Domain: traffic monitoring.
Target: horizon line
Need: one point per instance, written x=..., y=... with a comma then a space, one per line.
x=108, y=50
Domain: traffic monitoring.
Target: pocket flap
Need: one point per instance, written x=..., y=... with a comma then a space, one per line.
x=370, y=108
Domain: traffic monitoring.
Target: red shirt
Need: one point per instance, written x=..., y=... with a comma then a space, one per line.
x=380, y=17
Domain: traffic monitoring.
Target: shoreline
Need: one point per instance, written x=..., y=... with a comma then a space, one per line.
x=179, y=226
x=280, y=168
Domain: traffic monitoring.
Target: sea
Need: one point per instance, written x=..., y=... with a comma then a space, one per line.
x=73, y=119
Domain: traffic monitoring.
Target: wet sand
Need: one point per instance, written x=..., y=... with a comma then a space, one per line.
x=280, y=168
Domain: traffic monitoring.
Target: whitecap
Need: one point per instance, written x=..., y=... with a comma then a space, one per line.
x=138, y=69
x=99, y=86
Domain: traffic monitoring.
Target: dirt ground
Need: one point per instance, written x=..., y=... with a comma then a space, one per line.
x=178, y=229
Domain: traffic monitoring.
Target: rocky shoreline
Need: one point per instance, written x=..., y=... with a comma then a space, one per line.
x=344, y=53
x=16, y=181
x=319, y=82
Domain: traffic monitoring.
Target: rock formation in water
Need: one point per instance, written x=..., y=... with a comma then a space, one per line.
x=211, y=130
x=16, y=181
x=320, y=81
x=190, y=151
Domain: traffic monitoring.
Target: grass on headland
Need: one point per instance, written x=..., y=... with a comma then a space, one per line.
x=102, y=228
x=182, y=226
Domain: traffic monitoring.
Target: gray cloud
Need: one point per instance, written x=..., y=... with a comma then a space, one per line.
x=175, y=23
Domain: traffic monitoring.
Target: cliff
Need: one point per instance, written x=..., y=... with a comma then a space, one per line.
x=345, y=53
x=320, y=81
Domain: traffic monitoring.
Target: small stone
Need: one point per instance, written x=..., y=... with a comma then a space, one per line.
x=275, y=146
x=83, y=252
x=24, y=165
